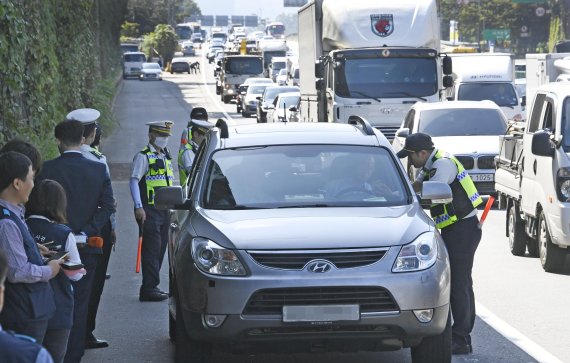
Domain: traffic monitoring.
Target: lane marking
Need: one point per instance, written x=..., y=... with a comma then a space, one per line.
x=513, y=335
x=216, y=101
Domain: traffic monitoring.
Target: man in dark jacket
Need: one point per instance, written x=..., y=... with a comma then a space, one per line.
x=90, y=203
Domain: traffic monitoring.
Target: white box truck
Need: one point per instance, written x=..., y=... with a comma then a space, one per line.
x=544, y=68
x=375, y=58
x=486, y=76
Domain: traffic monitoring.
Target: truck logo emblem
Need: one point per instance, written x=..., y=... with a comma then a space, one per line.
x=382, y=24
x=386, y=110
x=319, y=266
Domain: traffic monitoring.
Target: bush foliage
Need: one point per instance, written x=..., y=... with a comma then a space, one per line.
x=56, y=55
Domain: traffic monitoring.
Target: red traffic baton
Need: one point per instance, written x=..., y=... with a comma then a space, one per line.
x=488, y=206
x=139, y=250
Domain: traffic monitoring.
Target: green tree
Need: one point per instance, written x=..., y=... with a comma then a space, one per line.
x=162, y=42
x=130, y=30
x=150, y=13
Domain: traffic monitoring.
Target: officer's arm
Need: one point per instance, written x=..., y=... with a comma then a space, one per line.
x=106, y=205
x=187, y=160
x=443, y=170
x=43, y=357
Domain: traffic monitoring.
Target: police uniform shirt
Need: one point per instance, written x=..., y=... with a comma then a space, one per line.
x=188, y=155
x=86, y=152
x=444, y=170
x=140, y=163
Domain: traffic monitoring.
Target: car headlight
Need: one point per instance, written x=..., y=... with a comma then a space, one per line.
x=214, y=259
x=563, y=181
x=419, y=255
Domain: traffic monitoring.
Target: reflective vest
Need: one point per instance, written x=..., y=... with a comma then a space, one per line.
x=160, y=174
x=465, y=195
x=96, y=153
x=186, y=144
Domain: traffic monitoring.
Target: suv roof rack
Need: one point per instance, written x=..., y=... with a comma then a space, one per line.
x=223, y=126
x=355, y=120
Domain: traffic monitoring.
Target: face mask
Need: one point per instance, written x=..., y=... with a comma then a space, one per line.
x=161, y=142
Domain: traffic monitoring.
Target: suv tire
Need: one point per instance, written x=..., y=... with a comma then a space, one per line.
x=551, y=256
x=188, y=350
x=515, y=231
x=436, y=349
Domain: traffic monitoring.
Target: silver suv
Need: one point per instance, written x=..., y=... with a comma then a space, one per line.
x=302, y=237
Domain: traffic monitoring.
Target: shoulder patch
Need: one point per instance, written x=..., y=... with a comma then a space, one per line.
x=432, y=172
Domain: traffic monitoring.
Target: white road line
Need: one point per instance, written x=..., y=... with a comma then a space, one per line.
x=216, y=101
x=516, y=337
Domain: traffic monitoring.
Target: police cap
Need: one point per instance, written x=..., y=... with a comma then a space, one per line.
x=200, y=125
x=162, y=128
x=416, y=142
x=87, y=116
x=199, y=113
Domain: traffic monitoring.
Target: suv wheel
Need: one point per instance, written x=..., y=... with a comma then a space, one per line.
x=551, y=256
x=189, y=350
x=517, y=235
x=436, y=349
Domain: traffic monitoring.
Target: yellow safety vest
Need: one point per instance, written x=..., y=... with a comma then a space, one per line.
x=465, y=195
x=156, y=176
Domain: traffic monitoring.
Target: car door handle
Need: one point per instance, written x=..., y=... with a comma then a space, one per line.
x=174, y=226
x=534, y=166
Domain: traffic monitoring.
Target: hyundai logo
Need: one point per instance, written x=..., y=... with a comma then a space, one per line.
x=319, y=266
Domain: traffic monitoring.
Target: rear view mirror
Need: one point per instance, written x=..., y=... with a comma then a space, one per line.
x=258, y=98
x=293, y=109
x=403, y=132
x=318, y=69
x=434, y=192
x=447, y=81
x=523, y=101
x=319, y=84
x=447, y=68
x=541, y=144
x=169, y=198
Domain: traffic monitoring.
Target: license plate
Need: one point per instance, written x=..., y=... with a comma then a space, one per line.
x=320, y=313
x=483, y=177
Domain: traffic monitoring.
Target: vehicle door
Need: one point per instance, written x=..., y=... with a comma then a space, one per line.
x=537, y=174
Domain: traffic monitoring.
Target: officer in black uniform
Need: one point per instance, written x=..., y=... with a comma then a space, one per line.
x=459, y=227
x=15, y=348
x=152, y=169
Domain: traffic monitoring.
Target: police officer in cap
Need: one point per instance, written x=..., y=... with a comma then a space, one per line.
x=16, y=348
x=152, y=169
x=459, y=227
x=192, y=137
x=89, y=117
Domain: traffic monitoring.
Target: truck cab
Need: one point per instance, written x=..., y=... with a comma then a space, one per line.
x=234, y=70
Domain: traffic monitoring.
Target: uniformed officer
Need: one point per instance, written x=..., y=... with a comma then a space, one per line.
x=192, y=137
x=459, y=227
x=89, y=117
x=152, y=169
x=16, y=348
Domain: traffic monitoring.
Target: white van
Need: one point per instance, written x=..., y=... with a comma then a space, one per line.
x=132, y=64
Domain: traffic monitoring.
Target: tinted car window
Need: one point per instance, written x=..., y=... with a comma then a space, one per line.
x=462, y=122
x=257, y=89
x=272, y=92
x=303, y=175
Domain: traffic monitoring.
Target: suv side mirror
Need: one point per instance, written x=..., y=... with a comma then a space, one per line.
x=403, y=132
x=447, y=81
x=434, y=192
x=318, y=69
x=446, y=63
x=541, y=144
x=169, y=198
x=219, y=63
x=319, y=84
x=523, y=101
x=293, y=109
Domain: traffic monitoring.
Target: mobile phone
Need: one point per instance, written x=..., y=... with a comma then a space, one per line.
x=47, y=243
x=58, y=255
x=71, y=266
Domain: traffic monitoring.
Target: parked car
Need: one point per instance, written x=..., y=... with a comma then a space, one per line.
x=280, y=110
x=267, y=99
x=180, y=65
x=265, y=256
x=151, y=71
x=469, y=130
x=281, y=78
x=249, y=99
x=188, y=48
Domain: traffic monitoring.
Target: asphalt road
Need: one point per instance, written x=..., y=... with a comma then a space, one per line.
x=516, y=298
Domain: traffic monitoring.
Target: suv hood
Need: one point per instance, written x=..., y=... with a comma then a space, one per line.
x=463, y=145
x=312, y=228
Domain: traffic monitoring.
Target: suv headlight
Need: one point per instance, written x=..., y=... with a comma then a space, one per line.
x=419, y=255
x=214, y=259
x=563, y=181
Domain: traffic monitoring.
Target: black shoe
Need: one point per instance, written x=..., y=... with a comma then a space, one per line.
x=461, y=349
x=95, y=343
x=156, y=289
x=152, y=296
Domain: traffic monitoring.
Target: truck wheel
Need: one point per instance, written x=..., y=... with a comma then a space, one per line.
x=188, y=349
x=551, y=256
x=436, y=349
x=517, y=235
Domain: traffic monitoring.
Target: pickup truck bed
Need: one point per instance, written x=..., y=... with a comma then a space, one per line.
x=508, y=165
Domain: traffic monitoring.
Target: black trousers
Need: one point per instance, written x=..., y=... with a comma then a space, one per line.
x=81, y=293
x=99, y=280
x=155, y=241
x=461, y=240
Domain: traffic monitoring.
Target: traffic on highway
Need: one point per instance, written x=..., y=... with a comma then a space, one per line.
x=352, y=190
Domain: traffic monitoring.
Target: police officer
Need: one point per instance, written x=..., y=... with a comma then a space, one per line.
x=192, y=137
x=459, y=227
x=16, y=348
x=152, y=169
x=89, y=117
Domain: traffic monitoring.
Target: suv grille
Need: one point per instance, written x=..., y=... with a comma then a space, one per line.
x=467, y=161
x=486, y=162
x=271, y=301
x=296, y=261
x=389, y=132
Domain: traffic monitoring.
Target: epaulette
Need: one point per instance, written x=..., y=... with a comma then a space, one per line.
x=145, y=150
x=96, y=153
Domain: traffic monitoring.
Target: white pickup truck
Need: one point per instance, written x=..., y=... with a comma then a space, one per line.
x=533, y=178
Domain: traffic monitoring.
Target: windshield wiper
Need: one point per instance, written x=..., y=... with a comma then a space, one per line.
x=367, y=96
x=407, y=95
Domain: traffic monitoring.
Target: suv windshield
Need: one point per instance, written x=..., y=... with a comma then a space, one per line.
x=462, y=122
x=294, y=176
x=272, y=92
x=257, y=89
x=244, y=66
x=135, y=58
